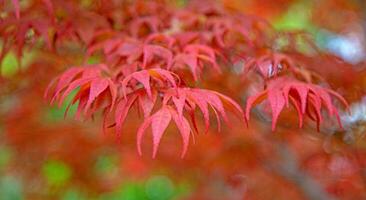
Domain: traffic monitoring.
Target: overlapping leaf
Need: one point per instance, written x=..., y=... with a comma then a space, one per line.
x=181, y=101
x=176, y=103
x=307, y=98
x=143, y=77
x=124, y=105
x=151, y=22
x=269, y=65
x=195, y=56
x=16, y=32
x=189, y=98
x=93, y=87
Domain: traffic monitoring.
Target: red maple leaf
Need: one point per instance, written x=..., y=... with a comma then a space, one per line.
x=178, y=101
x=94, y=87
x=305, y=97
x=269, y=64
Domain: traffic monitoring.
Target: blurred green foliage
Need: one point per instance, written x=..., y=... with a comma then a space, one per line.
x=157, y=187
x=56, y=172
x=56, y=114
x=10, y=64
x=93, y=60
x=296, y=18
x=106, y=164
x=5, y=156
x=10, y=188
x=73, y=194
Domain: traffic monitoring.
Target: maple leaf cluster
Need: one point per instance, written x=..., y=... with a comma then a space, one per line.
x=154, y=56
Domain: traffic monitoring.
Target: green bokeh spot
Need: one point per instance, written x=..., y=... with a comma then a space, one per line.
x=93, y=60
x=155, y=188
x=106, y=164
x=183, y=189
x=159, y=188
x=297, y=17
x=5, y=156
x=132, y=191
x=73, y=195
x=127, y=191
x=10, y=189
x=56, y=172
x=10, y=65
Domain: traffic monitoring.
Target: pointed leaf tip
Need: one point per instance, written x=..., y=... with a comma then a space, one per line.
x=160, y=122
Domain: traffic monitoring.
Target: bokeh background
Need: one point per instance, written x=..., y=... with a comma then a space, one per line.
x=44, y=156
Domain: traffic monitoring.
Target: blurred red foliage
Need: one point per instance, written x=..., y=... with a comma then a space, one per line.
x=160, y=62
